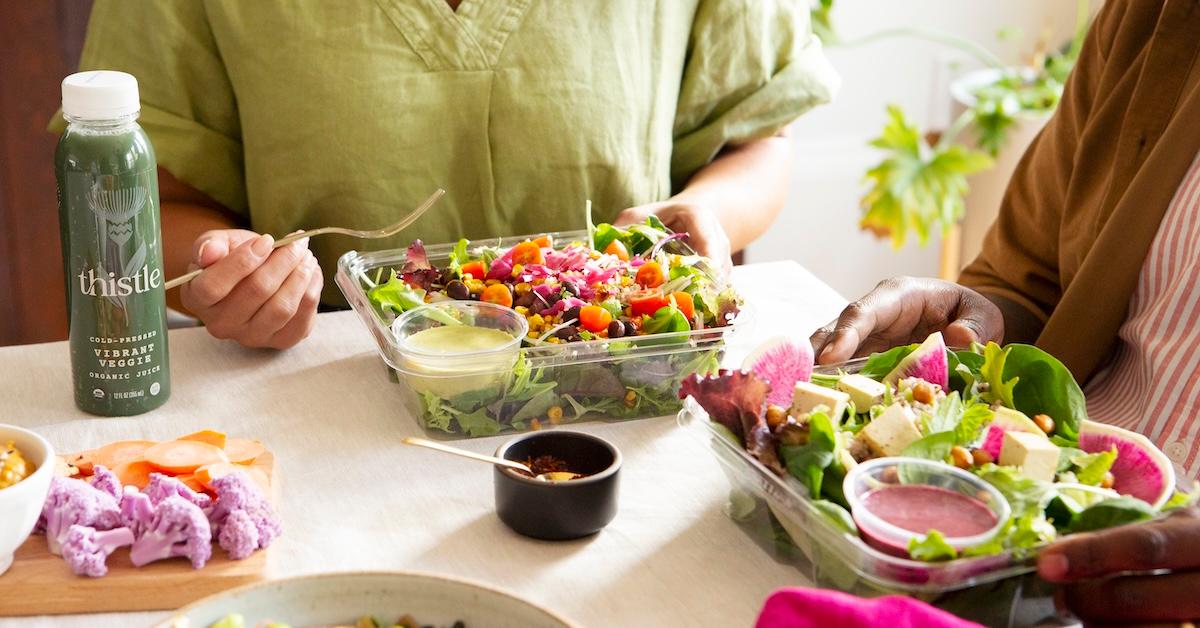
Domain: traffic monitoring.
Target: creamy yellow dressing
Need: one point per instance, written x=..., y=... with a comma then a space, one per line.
x=454, y=339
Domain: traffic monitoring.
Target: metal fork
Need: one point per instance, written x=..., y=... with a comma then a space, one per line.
x=356, y=233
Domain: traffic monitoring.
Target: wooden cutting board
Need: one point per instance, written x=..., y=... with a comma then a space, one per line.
x=40, y=583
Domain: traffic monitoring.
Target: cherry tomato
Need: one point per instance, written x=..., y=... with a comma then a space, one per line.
x=650, y=275
x=647, y=302
x=616, y=247
x=475, y=269
x=545, y=242
x=684, y=302
x=498, y=294
x=594, y=318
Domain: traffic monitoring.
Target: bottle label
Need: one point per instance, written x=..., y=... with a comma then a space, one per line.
x=115, y=282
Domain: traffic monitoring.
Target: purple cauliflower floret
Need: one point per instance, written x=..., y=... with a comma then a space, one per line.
x=239, y=536
x=75, y=502
x=178, y=528
x=237, y=493
x=86, y=549
x=136, y=510
x=163, y=486
x=105, y=480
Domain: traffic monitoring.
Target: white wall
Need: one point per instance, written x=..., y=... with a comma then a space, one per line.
x=819, y=226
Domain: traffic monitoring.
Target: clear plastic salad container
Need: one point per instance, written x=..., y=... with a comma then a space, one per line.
x=613, y=379
x=998, y=590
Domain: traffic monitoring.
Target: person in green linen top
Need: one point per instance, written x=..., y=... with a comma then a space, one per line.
x=270, y=116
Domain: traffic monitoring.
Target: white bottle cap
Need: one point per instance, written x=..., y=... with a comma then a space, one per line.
x=100, y=95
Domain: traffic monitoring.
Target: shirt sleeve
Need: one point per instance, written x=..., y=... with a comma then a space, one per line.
x=1020, y=255
x=753, y=66
x=189, y=109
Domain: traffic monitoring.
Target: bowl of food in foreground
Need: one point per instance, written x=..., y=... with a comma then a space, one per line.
x=572, y=492
x=612, y=321
x=792, y=439
x=26, y=467
x=388, y=598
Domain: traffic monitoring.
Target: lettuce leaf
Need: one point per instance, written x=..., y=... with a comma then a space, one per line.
x=1112, y=512
x=992, y=372
x=808, y=462
x=932, y=447
x=880, y=364
x=931, y=548
x=458, y=257
x=1090, y=468
x=1045, y=386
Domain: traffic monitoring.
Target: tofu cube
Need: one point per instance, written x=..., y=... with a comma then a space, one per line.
x=864, y=391
x=891, y=431
x=808, y=396
x=1033, y=453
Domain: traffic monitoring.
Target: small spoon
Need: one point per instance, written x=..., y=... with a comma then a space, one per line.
x=552, y=476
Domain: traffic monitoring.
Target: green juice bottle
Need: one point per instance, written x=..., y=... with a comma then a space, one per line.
x=112, y=253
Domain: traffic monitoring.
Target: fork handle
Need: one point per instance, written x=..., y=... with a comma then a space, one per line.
x=184, y=278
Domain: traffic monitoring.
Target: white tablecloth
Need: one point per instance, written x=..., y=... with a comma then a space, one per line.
x=355, y=498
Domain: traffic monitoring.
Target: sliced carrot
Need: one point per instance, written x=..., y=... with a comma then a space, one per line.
x=214, y=438
x=81, y=461
x=183, y=456
x=135, y=473
x=208, y=473
x=500, y=294
x=191, y=481
x=115, y=454
x=527, y=253
x=243, y=451
x=616, y=247
x=544, y=241
x=684, y=302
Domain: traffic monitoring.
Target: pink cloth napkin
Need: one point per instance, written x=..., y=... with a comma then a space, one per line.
x=821, y=608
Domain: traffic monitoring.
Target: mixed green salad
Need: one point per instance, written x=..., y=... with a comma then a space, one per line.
x=617, y=318
x=1013, y=416
x=236, y=620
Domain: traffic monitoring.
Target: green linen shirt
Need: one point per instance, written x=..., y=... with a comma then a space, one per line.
x=306, y=113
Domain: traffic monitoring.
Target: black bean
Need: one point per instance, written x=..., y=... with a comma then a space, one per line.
x=630, y=330
x=570, y=288
x=458, y=290
x=567, y=333
x=616, y=329
x=571, y=314
x=524, y=300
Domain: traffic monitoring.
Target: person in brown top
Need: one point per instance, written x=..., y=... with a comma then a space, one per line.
x=1061, y=263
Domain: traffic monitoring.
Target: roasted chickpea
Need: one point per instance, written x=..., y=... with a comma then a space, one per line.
x=776, y=416
x=923, y=392
x=1108, y=480
x=1044, y=423
x=961, y=457
x=981, y=457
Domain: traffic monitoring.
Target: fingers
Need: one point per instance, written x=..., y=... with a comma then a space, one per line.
x=255, y=291
x=282, y=305
x=1157, y=598
x=214, y=245
x=299, y=327
x=977, y=320
x=219, y=279
x=1173, y=543
x=633, y=215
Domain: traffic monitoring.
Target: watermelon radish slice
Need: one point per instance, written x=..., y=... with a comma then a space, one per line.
x=927, y=362
x=1007, y=420
x=1141, y=469
x=781, y=362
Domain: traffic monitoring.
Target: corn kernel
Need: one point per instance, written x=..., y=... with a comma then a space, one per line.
x=555, y=414
x=491, y=282
x=630, y=399
x=518, y=269
x=626, y=281
x=522, y=310
x=535, y=424
x=536, y=320
x=523, y=288
x=532, y=334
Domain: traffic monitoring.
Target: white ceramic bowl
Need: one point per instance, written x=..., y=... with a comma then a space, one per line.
x=341, y=598
x=21, y=503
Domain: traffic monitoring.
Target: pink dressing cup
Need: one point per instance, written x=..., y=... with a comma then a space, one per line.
x=932, y=495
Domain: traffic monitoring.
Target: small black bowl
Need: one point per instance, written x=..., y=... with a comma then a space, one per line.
x=557, y=511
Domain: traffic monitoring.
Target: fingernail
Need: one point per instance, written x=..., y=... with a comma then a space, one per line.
x=263, y=245
x=1053, y=566
x=302, y=243
x=200, y=253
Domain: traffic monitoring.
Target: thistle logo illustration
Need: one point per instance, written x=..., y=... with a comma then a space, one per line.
x=117, y=208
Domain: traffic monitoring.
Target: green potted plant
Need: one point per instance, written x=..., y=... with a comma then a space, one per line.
x=921, y=184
